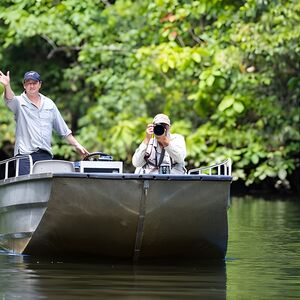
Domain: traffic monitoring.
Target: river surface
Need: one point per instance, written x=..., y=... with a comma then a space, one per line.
x=262, y=262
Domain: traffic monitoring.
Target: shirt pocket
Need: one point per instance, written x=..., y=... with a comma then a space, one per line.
x=46, y=119
x=29, y=113
x=46, y=115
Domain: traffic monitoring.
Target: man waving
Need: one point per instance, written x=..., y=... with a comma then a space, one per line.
x=36, y=117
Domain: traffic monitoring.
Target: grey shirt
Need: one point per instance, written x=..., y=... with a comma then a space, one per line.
x=34, y=125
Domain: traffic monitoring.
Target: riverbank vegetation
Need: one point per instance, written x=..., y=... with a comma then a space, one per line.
x=225, y=71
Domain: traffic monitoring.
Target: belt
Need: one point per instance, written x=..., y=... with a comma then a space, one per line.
x=41, y=151
x=37, y=151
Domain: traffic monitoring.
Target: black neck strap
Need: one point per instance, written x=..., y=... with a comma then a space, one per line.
x=157, y=165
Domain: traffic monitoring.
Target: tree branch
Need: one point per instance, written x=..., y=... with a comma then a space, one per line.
x=195, y=37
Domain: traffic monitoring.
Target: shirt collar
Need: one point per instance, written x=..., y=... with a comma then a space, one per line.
x=29, y=102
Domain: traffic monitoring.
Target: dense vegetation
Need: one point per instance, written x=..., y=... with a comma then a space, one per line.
x=225, y=71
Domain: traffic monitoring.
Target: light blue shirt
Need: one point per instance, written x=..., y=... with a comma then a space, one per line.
x=34, y=125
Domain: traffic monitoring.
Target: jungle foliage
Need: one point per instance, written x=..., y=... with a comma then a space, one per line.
x=225, y=71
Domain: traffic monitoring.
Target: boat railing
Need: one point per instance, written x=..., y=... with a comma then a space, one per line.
x=16, y=161
x=222, y=168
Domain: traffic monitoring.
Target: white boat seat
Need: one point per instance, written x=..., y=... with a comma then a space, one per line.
x=53, y=166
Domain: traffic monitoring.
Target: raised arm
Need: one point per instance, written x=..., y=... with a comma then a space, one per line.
x=5, y=81
x=139, y=154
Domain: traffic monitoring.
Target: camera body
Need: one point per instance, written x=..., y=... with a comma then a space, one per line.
x=164, y=169
x=159, y=129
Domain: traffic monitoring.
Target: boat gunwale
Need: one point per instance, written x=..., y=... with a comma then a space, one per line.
x=21, y=178
x=118, y=176
x=170, y=177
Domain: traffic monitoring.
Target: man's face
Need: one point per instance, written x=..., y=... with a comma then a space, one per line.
x=32, y=86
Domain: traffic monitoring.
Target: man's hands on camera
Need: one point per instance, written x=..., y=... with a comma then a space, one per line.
x=163, y=140
x=149, y=133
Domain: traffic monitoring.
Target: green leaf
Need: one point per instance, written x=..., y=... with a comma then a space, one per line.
x=238, y=107
x=210, y=80
x=165, y=68
x=255, y=158
x=196, y=57
x=226, y=103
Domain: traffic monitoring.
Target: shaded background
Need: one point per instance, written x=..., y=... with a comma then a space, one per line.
x=225, y=71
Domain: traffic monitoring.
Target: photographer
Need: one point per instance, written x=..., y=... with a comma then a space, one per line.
x=160, y=151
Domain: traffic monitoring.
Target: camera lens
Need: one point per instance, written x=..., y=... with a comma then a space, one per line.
x=159, y=129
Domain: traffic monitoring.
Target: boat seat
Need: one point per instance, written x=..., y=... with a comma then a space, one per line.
x=53, y=166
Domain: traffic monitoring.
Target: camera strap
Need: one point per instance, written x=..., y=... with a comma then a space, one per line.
x=161, y=158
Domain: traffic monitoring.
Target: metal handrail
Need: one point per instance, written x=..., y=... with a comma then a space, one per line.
x=17, y=160
x=222, y=168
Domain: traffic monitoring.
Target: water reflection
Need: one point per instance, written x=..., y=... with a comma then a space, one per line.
x=264, y=239
x=78, y=280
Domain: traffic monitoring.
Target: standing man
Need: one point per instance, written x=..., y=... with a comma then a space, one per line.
x=160, y=149
x=36, y=116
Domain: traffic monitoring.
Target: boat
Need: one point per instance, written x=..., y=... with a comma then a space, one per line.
x=92, y=208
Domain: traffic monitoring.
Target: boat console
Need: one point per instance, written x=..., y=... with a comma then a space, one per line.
x=99, y=162
x=99, y=166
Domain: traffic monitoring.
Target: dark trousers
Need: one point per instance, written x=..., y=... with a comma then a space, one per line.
x=24, y=165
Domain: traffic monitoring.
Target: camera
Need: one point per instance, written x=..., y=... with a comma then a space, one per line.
x=164, y=169
x=159, y=129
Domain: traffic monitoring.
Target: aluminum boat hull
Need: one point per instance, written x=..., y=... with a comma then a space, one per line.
x=124, y=216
